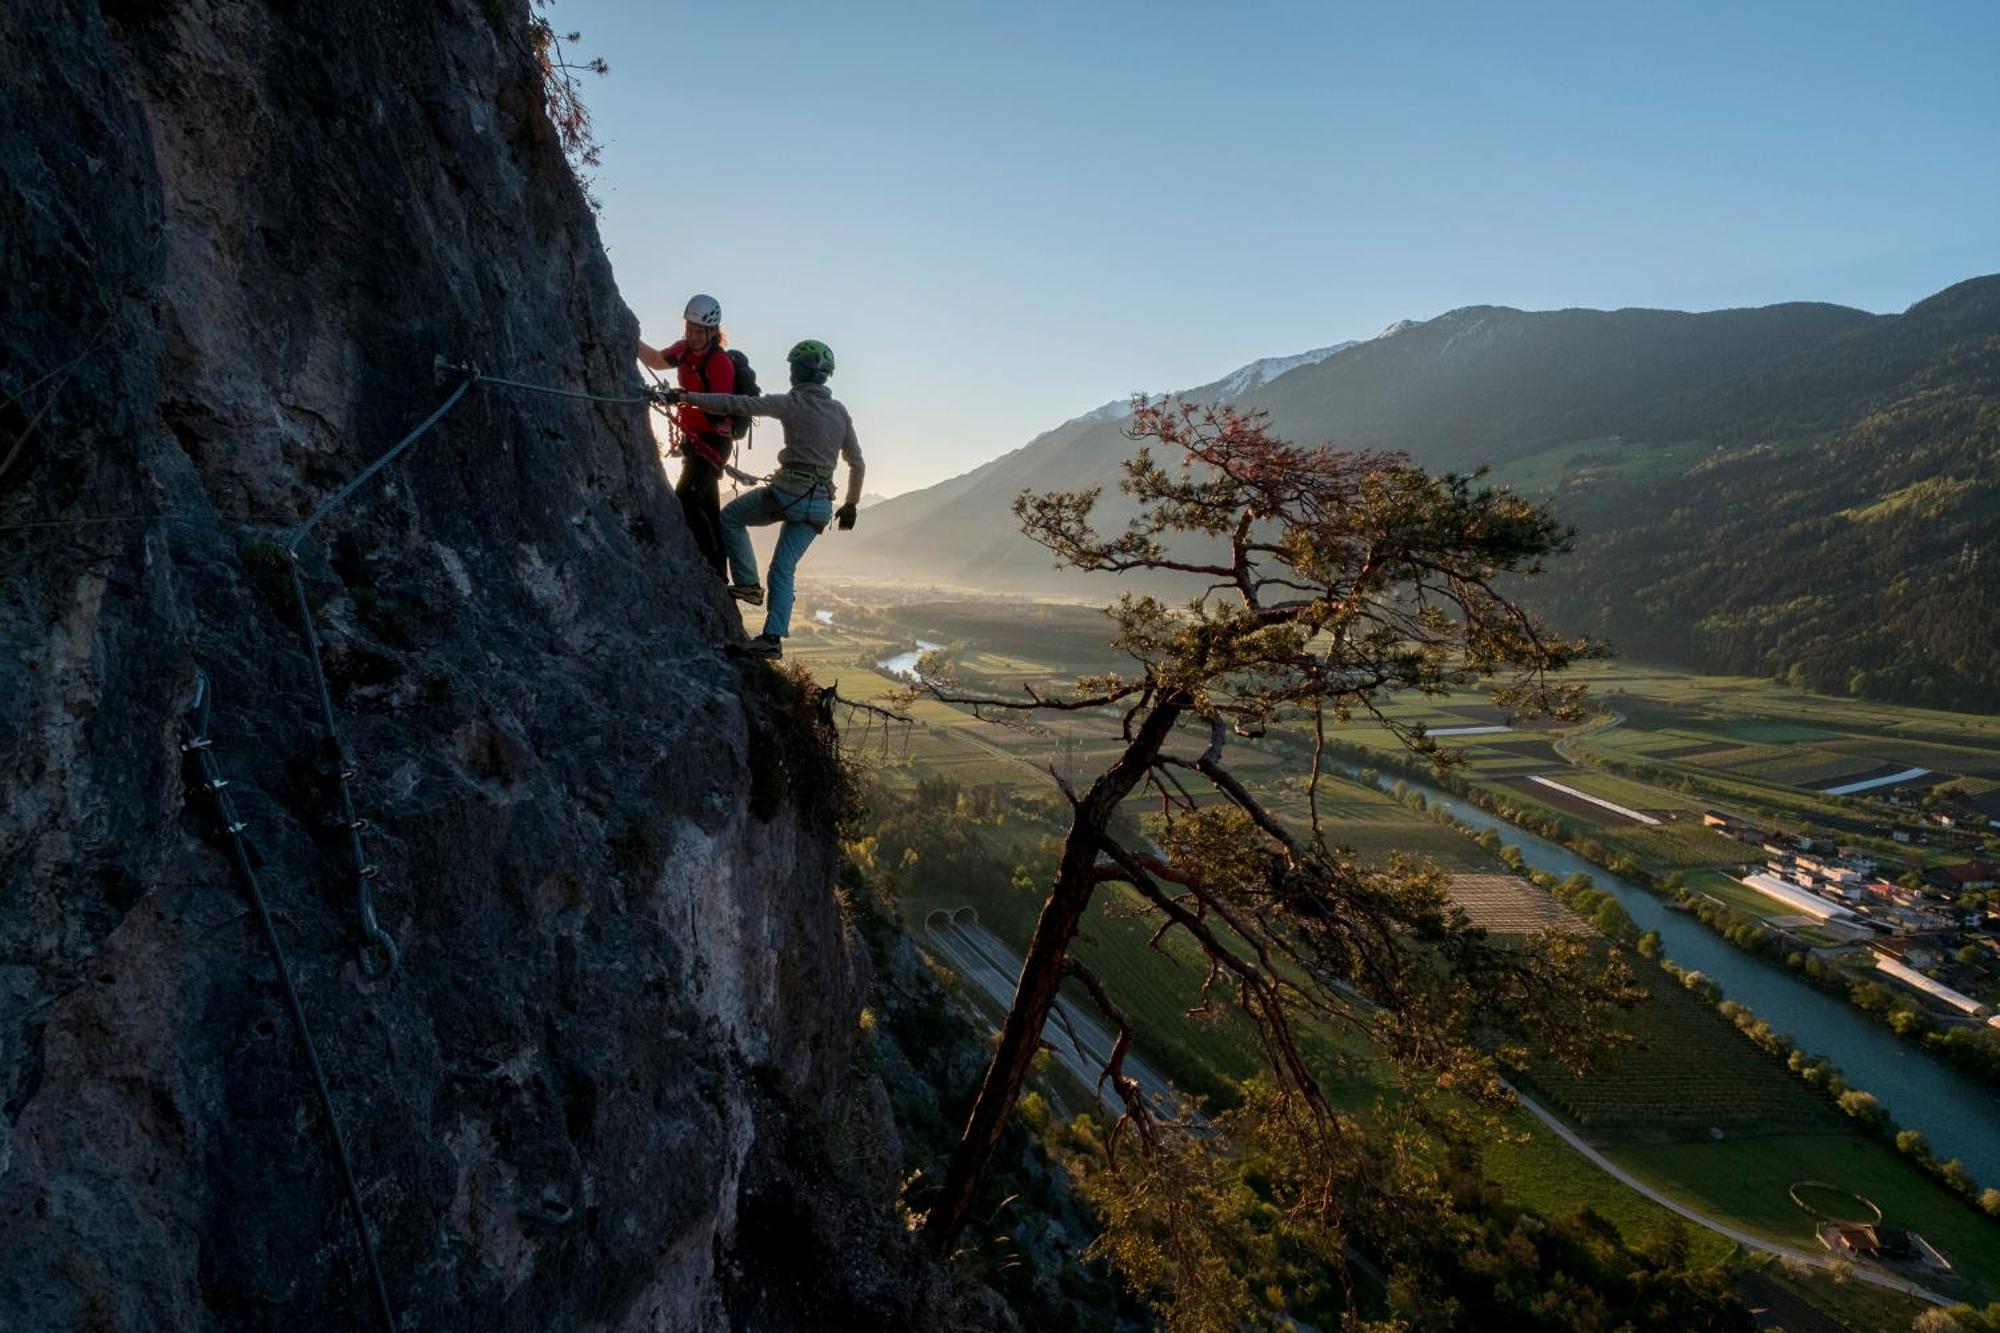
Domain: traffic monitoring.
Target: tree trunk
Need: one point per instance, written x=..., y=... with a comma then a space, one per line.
x=1041, y=975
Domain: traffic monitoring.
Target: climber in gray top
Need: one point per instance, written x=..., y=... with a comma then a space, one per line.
x=818, y=433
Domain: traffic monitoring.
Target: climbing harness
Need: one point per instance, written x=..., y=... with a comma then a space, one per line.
x=817, y=481
x=205, y=776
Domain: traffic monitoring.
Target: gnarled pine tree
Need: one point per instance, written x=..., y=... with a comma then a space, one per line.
x=1336, y=579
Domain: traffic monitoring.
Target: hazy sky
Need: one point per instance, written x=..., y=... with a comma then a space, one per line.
x=1002, y=215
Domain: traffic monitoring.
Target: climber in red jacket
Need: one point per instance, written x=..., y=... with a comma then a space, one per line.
x=701, y=365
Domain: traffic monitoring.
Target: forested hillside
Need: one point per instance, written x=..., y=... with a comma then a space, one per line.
x=1802, y=490
x=1486, y=384
x=1864, y=565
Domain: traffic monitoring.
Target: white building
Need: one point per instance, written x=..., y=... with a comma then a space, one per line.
x=1909, y=976
x=1798, y=899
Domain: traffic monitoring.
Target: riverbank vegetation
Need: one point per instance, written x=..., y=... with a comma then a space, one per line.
x=1794, y=1130
x=1665, y=1087
x=1972, y=1048
x=1458, y=1250
x=1011, y=822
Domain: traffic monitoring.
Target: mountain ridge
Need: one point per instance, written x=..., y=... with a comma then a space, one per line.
x=1295, y=401
x=1607, y=411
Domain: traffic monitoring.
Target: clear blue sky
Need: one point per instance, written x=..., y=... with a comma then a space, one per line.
x=1002, y=215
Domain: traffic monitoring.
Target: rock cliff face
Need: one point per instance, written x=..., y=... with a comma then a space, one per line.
x=237, y=235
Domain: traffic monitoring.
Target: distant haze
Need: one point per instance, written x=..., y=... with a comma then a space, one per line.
x=1001, y=216
x=1807, y=491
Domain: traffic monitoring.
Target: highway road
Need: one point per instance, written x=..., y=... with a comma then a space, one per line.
x=1083, y=1044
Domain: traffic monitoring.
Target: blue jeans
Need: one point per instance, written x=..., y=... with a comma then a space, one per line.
x=804, y=515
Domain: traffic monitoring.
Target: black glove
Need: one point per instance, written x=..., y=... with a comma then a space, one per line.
x=844, y=516
x=669, y=397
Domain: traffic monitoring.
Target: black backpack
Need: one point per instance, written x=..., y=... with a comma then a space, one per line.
x=746, y=385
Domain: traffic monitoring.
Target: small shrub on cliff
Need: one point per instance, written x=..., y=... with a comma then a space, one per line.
x=562, y=95
x=795, y=753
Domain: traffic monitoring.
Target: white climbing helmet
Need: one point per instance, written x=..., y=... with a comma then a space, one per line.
x=705, y=311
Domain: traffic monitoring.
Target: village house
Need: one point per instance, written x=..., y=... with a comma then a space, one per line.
x=1890, y=891
x=1969, y=875
x=1915, y=952
x=1832, y=871
x=1875, y=1243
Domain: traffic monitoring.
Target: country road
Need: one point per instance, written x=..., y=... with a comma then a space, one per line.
x=980, y=957
x=1872, y=1276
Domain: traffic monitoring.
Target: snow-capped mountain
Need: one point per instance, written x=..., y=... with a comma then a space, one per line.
x=1240, y=382
x=1476, y=385
x=1115, y=410
x=1230, y=387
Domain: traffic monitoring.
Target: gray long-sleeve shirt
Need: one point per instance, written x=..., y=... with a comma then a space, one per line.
x=818, y=431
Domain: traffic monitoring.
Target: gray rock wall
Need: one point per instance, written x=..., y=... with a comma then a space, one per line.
x=245, y=229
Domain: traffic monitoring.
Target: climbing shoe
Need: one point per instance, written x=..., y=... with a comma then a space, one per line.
x=747, y=592
x=767, y=646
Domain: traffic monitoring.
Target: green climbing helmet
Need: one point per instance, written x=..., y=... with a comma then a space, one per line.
x=813, y=357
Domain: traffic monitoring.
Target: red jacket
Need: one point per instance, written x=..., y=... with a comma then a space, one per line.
x=714, y=373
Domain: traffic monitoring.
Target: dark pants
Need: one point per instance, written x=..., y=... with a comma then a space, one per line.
x=699, y=490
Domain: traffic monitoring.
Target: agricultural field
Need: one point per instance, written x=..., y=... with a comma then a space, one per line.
x=1559, y=794
x=1779, y=749
x=1683, y=845
x=1540, y=1171
x=1668, y=745
x=1510, y=905
x=1660, y=803
x=1687, y=1073
x=1700, y=1114
x=1375, y=827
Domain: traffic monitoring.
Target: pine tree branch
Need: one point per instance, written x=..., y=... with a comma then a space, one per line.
x=1127, y=1087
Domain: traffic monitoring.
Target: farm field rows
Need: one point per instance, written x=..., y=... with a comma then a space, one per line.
x=1510, y=905
x=1758, y=730
x=1684, y=744
x=1688, y=1074
x=1635, y=795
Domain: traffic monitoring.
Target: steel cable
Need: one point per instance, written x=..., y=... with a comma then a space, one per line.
x=339, y=497
x=198, y=746
x=561, y=393
x=377, y=955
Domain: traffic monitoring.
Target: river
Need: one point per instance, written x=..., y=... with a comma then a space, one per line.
x=905, y=664
x=1960, y=1117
